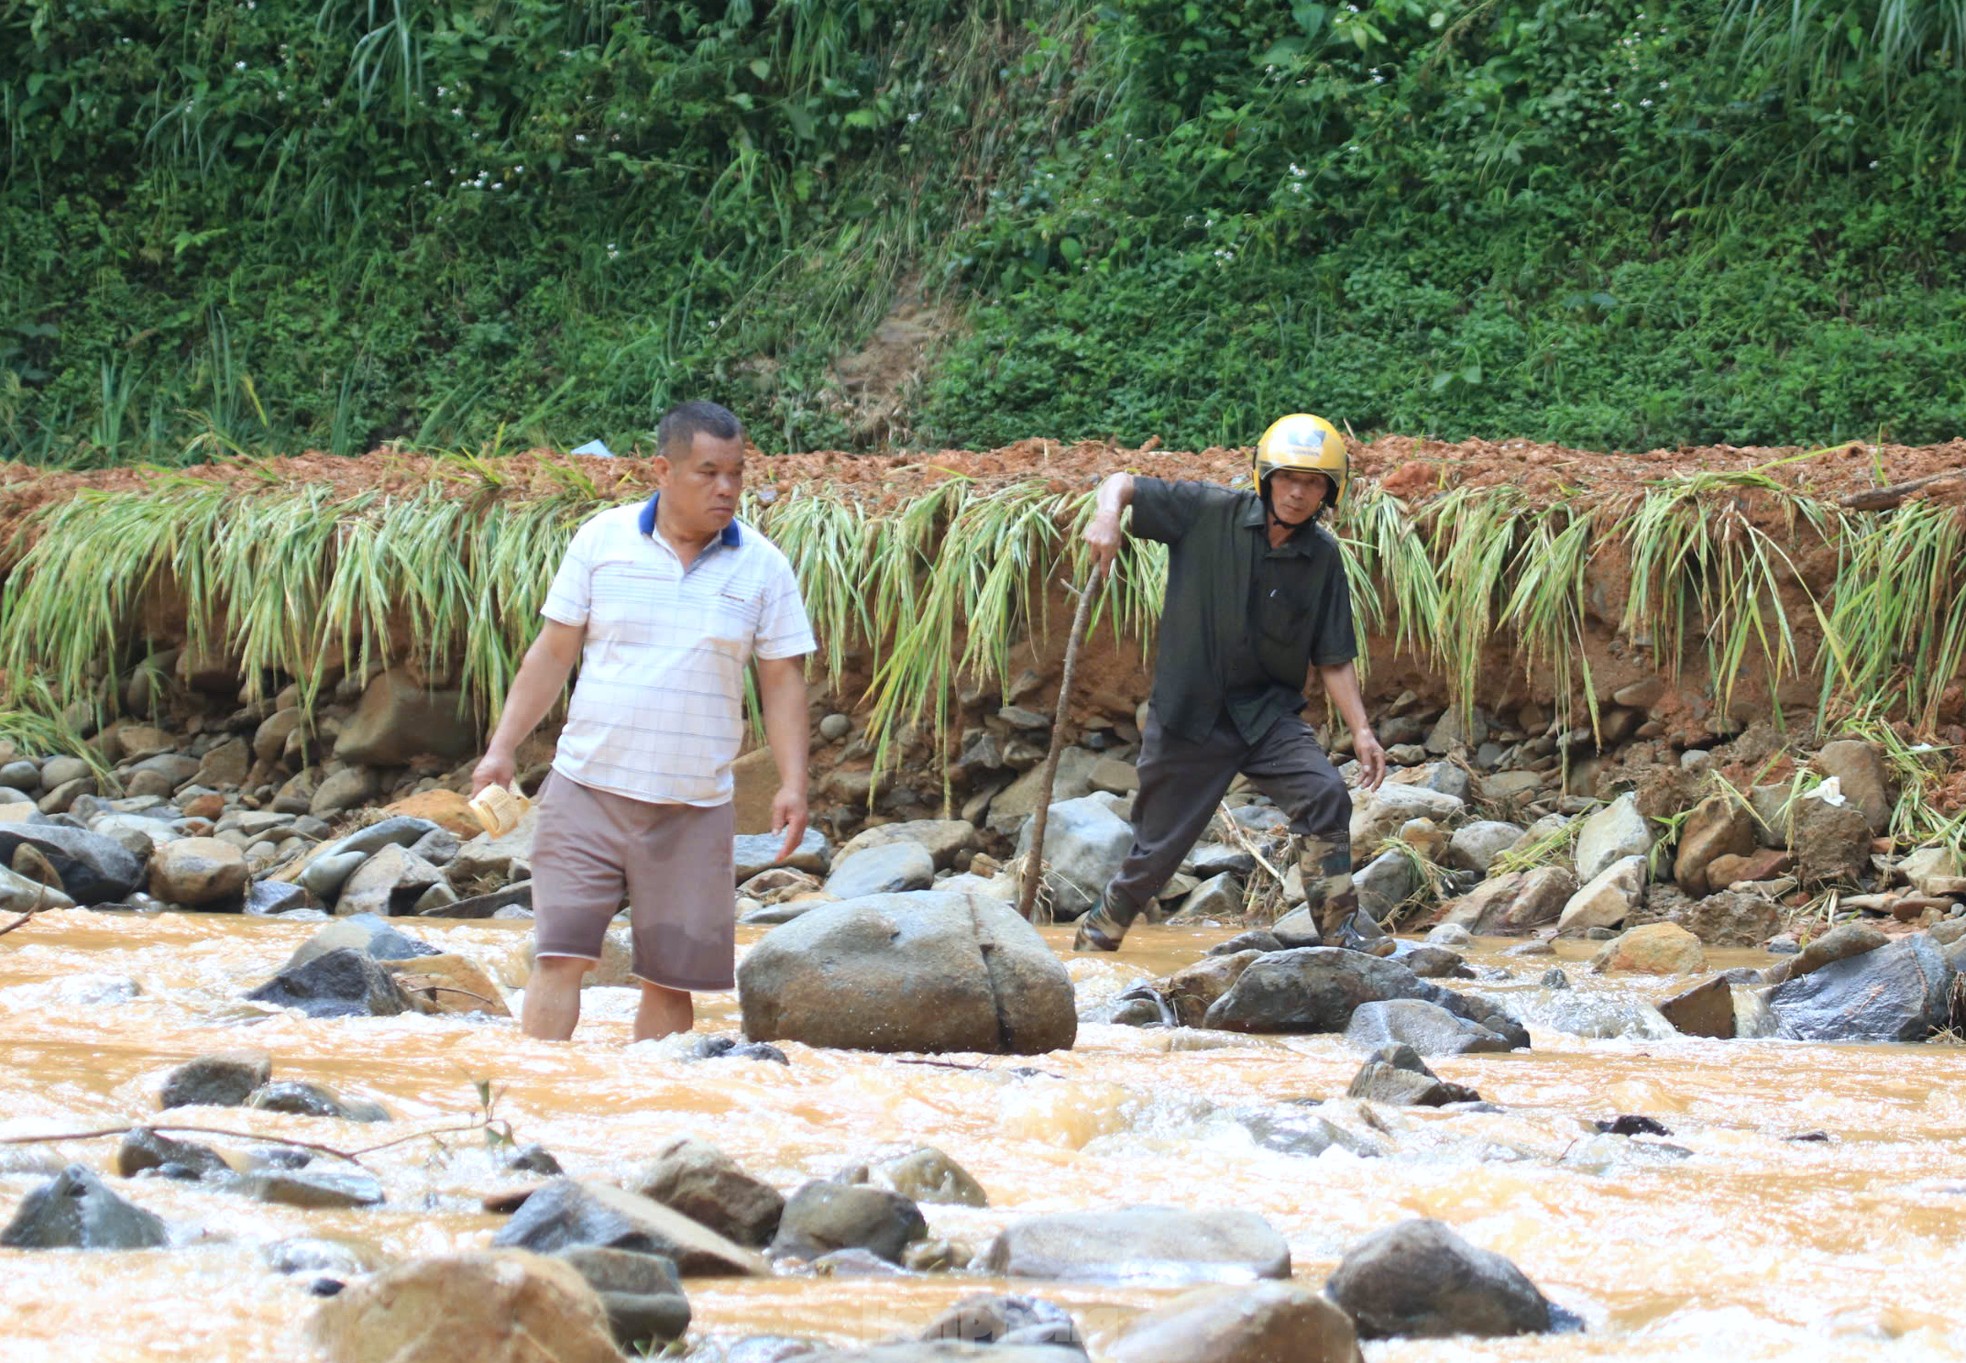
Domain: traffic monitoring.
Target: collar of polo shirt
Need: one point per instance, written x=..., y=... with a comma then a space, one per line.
x=728, y=536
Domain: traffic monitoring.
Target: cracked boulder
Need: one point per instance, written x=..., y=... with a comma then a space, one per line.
x=927, y=972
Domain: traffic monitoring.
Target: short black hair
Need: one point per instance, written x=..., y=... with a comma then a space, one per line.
x=682, y=423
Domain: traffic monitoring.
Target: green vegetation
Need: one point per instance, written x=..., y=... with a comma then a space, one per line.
x=236, y=227
x=292, y=581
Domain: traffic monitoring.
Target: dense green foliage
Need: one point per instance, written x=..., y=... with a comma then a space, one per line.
x=241, y=226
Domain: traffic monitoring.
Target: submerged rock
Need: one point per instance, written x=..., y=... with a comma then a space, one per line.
x=143, y=1149
x=1396, y=1076
x=1141, y=1245
x=1420, y=1280
x=823, y=1217
x=706, y=1185
x=78, y=1211
x=916, y=972
x=1262, y=1323
x=1707, y=1009
x=221, y=1079
x=993, y=1319
x=342, y=983
x=566, y=1213
x=467, y=1308
x=641, y=1293
x=1317, y=989
x=1426, y=1027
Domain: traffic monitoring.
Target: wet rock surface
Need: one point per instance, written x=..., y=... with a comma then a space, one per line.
x=1420, y=1280
x=1141, y=1244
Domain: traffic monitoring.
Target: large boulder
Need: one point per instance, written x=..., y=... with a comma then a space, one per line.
x=389, y=882
x=1153, y=1245
x=1317, y=989
x=823, y=1217
x=1838, y=944
x=570, y=1212
x=1900, y=992
x=78, y=1211
x=1084, y=844
x=706, y=1185
x=1707, y=1009
x=1420, y=1280
x=1613, y=833
x=1719, y=826
x=1607, y=900
x=1831, y=842
x=915, y=972
x=398, y=719
x=93, y=869
x=200, y=872
x=884, y=868
x=467, y=1308
x=1260, y=1323
x=1426, y=1027
x=373, y=936
x=21, y=894
x=343, y=983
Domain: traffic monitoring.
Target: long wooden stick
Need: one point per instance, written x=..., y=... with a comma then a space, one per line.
x=1027, y=895
x=1879, y=498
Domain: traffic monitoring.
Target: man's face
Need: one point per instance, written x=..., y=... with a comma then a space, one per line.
x=1296, y=495
x=700, y=489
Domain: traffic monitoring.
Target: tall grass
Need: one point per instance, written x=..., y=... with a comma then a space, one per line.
x=939, y=596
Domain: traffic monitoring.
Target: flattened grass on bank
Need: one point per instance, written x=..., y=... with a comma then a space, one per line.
x=923, y=580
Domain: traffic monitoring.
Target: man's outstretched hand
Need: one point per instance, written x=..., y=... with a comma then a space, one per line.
x=788, y=814
x=1371, y=759
x=494, y=768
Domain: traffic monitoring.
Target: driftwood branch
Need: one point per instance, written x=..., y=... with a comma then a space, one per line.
x=1027, y=894
x=351, y=1156
x=1883, y=498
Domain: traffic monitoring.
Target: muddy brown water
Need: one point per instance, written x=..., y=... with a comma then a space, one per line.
x=1752, y=1247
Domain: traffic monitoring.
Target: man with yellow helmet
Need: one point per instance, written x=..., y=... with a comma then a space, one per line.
x=1257, y=601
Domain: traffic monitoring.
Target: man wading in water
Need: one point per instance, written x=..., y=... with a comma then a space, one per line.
x=1256, y=599
x=662, y=605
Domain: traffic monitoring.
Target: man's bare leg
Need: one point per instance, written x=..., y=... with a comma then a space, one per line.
x=553, y=997
x=664, y=1012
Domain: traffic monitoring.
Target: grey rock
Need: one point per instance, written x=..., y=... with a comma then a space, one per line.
x=1256, y=939
x=93, y=869
x=367, y=933
x=1900, y=992
x=1865, y=781
x=344, y=790
x=937, y=1351
x=1297, y=929
x=265, y=898
x=823, y=1217
x=312, y=1254
x=1607, y=900
x=928, y=1175
x=1385, y=883
x=1141, y=1245
x=918, y=972
x=1397, y=1077
x=1449, y=935
x=59, y=771
x=1019, y=799
x=397, y=719
x=1260, y=1323
x=706, y=1185
x=1613, y=833
x=755, y=852
x=1838, y=944
x=1220, y=896
x=173, y=768
x=221, y=1079
x=517, y=896
x=992, y=1319
x=342, y=983
x=78, y=1211
x=136, y=834
x=1426, y=1027
x=567, y=1213
x=20, y=775
x=438, y=846
x=1214, y=859
x=304, y=1099
x=1707, y=1009
x=890, y=868
x=623, y=1270
x=1377, y=815
x=60, y=799
x=315, y=1189
x=487, y=858
x=943, y=839
x=1475, y=846
x=199, y=872
x=1317, y=989
x=1419, y=1280
x=1432, y=962
x=143, y=1149
x=20, y=894
x=835, y=727
x=389, y=882
x=1085, y=842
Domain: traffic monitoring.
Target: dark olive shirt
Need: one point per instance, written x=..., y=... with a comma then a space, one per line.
x=1243, y=623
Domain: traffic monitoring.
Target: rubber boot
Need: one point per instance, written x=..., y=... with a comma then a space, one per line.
x=1105, y=926
x=1326, y=866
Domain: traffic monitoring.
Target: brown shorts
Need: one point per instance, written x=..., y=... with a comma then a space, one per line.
x=673, y=863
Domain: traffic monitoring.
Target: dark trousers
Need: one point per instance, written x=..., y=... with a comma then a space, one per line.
x=1181, y=783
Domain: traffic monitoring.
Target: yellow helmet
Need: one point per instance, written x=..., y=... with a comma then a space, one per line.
x=1303, y=441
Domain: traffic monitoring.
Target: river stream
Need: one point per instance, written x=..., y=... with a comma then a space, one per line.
x=1727, y=1240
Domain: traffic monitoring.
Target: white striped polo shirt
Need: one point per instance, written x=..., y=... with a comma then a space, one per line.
x=658, y=711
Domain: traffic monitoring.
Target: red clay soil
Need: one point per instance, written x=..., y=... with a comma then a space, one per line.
x=1406, y=466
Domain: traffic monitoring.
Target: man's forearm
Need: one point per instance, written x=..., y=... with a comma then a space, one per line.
x=1115, y=494
x=782, y=697
x=1341, y=684
x=542, y=677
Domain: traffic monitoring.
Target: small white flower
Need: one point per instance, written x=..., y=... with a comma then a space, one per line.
x=457, y=111
x=1645, y=104
x=238, y=66
x=1873, y=165
x=580, y=137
